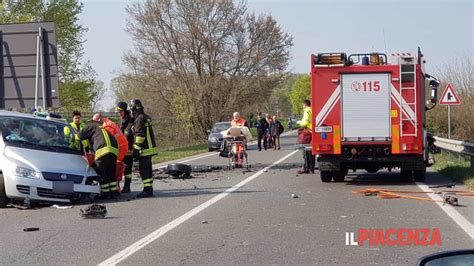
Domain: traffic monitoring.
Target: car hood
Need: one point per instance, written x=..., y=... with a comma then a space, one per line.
x=216, y=135
x=48, y=161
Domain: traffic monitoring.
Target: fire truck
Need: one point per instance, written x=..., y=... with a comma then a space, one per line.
x=369, y=113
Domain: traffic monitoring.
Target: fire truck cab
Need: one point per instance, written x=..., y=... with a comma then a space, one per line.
x=369, y=113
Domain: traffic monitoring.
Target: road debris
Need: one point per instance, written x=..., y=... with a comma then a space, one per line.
x=449, y=197
x=94, y=211
x=61, y=207
x=449, y=185
x=31, y=229
x=294, y=196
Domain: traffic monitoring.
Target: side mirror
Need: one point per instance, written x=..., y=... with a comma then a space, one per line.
x=455, y=257
x=434, y=91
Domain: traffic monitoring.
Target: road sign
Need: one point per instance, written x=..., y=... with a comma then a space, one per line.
x=449, y=96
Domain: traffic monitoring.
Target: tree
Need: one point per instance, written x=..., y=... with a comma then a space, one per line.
x=75, y=75
x=205, y=59
x=301, y=91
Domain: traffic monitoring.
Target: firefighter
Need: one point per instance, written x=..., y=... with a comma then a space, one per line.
x=144, y=146
x=126, y=123
x=106, y=150
x=305, y=122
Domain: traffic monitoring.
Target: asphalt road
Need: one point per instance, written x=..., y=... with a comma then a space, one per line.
x=234, y=217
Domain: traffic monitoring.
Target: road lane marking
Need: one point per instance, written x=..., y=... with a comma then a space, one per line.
x=450, y=211
x=127, y=252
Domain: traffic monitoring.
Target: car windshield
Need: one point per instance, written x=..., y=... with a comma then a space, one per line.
x=37, y=133
x=220, y=127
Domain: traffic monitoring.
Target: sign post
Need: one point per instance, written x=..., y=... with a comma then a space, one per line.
x=449, y=97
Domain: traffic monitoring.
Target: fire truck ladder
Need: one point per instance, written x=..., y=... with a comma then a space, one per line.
x=408, y=75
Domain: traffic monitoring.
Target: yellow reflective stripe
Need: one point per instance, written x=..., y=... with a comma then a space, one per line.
x=136, y=147
x=337, y=139
x=139, y=139
x=148, y=137
x=149, y=180
x=147, y=152
x=106, y=137
x=103, y=151
x=112, y=184
x=129, y=176
x=105, y=190
x=113, y=187
x=148, y=185
x=104, y=186
x=395, y=139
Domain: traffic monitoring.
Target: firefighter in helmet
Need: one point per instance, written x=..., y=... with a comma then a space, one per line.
x=126, y=123
x=144, y=146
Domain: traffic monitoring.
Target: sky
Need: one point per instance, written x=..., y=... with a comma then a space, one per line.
x=442, y=28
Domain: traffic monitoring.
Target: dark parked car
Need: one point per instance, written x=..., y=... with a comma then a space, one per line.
x=215, y=138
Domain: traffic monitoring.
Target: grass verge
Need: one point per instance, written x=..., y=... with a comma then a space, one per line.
x=175, y=154
x=457, y=168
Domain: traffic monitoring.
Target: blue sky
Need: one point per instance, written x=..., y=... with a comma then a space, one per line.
x=443, y=29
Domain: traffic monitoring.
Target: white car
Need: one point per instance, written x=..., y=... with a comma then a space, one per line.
x=37, y=161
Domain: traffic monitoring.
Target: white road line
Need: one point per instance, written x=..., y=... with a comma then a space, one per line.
x=127, y=252
x=450, y=211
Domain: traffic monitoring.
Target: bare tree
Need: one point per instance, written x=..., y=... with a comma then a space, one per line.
x=205, y=59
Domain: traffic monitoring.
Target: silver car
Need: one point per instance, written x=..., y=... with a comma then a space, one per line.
x=215, y=137
x=38, y=161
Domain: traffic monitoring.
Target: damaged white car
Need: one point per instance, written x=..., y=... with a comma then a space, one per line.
x=38, y=161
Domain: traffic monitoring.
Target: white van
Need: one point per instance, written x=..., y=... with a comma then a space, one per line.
x=37, y=161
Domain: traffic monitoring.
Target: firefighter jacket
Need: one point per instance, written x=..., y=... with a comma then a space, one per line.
x=144, y=136
x=101, y=141
x=126, y=125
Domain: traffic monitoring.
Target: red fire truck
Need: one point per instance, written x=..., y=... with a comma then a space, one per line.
x=369, y=113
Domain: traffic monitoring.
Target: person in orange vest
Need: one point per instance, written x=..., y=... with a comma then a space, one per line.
x=238, y=121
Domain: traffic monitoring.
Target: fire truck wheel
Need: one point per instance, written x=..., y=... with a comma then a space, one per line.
x=406, y=175
x=338, y=176
x=419, y=175
x=326, y=176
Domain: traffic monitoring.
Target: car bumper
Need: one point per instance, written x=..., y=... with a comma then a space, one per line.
x=215, y=145
x=43, y=190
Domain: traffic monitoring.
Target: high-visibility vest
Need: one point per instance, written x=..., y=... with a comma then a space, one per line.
x=114, y=129
x=75, y=143
x=306, y=120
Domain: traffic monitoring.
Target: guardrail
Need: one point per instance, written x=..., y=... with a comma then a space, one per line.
x=456, y=146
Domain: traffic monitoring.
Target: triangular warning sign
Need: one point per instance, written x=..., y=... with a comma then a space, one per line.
x=449, y=96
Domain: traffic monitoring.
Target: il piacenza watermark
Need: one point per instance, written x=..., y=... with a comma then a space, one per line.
x=394, y=237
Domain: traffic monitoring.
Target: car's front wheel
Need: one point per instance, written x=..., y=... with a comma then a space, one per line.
x=3, y=193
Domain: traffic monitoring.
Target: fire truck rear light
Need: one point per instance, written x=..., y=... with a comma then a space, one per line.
x=334, y=80
x=404, y=147
x=323, y=135
x=325, y=147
